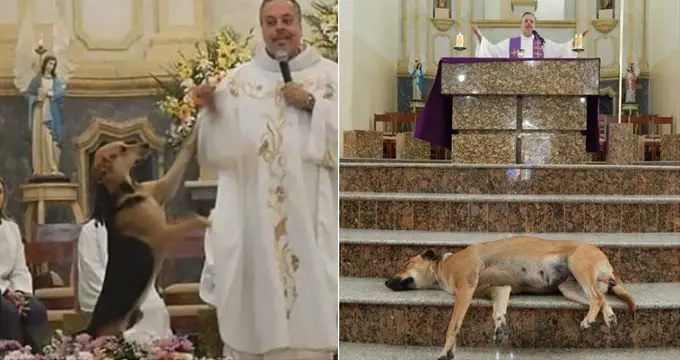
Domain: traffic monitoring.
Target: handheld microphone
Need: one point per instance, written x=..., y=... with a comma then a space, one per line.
x=282, y=58
x=539, y=37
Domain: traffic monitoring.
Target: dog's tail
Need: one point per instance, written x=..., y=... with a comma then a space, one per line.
x=617, y=289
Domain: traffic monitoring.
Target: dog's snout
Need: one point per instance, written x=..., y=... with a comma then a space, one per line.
x=398, y=284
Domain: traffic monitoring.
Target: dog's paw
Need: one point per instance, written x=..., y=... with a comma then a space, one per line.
x=585, y=324
x=499, y=335
x=448, y=356
x=611, y=321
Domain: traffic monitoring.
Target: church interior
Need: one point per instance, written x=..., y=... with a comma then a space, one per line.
x=441, y=149
x=117, y=65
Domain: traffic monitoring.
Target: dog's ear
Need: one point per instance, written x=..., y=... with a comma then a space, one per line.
x=429, y=254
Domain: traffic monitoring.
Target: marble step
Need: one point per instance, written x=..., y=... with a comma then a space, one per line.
x=445, y=177
x=636, y=257
x=359, y=351
x=371, y=313
x=510, y=213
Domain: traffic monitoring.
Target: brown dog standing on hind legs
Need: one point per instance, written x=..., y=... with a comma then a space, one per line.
x=138, y=231
x=520, y=264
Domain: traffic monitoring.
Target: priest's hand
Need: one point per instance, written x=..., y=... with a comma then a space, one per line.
x=295, y=95
x=204, y=96
x=477, y=32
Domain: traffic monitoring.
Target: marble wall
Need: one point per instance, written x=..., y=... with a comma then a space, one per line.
x=77, y=113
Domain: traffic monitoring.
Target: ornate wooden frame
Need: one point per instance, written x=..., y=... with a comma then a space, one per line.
x=87, y=143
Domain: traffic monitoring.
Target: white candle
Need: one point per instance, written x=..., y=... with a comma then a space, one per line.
x=460, y=40
x=40, y=42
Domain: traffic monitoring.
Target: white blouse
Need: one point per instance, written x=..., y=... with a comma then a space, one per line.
x=14, y=274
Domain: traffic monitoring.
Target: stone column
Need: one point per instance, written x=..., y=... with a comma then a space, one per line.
x=409, y=147
x=622, y=144
x=362, y=144
x=670, y=147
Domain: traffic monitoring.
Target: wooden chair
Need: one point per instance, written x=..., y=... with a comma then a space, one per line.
x=187, y=310
x=59, y=301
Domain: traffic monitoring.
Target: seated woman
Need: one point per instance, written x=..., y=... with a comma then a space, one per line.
x=24, y=317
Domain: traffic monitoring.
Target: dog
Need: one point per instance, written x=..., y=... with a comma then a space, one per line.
x=515, y=265
x=138, y=232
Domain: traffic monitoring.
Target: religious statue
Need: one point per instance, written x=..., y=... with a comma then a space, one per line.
x=632, y=74
x=442, y=4
x=418, y=80
x=41, y=76
x=606, y=4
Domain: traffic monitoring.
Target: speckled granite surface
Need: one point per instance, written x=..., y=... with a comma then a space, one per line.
x=371, y=313
x=556, y=148
x=362, y=144
x=510, y=213
x=496, y=148
x=358, y=351
x=670, y=147
x=484, y=112
x=637, y=257
x=622, y=145
x=510, y=179
x=409, y=147
x=519, y=77
x=554, y=113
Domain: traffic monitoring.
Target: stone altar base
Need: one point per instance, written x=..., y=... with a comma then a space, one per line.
x=559, y=148
x=622, y=144
x=670, y=147
x=362, y=144
x=473, y=148
x=411, y=148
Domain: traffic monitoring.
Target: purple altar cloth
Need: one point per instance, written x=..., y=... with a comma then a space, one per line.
x=434, y=123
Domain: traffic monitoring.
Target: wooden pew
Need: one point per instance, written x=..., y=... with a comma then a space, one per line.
x=52, y=247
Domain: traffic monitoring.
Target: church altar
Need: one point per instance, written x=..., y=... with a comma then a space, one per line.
x=489, y=110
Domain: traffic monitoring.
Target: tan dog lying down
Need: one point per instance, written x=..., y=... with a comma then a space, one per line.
x=521, y=264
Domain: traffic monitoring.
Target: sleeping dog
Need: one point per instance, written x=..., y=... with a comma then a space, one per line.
x=521, y=264
x=138, y=232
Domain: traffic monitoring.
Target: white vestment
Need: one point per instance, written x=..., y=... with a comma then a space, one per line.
x=551, y=49
x=272, y=251
x=14, y=274
x=92, y=259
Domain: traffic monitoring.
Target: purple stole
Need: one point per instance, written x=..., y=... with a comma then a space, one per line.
x=516, y=44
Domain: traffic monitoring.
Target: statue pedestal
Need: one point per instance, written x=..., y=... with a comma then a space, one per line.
x=37, y=196
x=442, y=13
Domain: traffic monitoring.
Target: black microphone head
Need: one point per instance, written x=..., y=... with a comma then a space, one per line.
x=281, y=55
x=534, y=32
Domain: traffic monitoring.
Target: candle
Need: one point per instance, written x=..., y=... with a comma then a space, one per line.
x=578, y=41
x=40, y=42
x=460, y=40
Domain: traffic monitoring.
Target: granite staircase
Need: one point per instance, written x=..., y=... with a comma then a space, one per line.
x=390, y=211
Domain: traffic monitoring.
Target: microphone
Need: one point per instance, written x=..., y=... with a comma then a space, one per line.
x=538, y=36
x=282, y=58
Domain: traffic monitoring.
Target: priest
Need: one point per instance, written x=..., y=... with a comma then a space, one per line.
x=528, y=45
x=271, y=253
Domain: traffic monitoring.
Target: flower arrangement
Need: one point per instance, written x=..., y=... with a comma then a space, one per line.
x=324, y=23
x=213, y=60
x=83, y=347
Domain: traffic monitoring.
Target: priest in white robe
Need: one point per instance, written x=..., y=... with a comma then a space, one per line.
x=92, y=259
x=526, y=45
x=271, y=267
